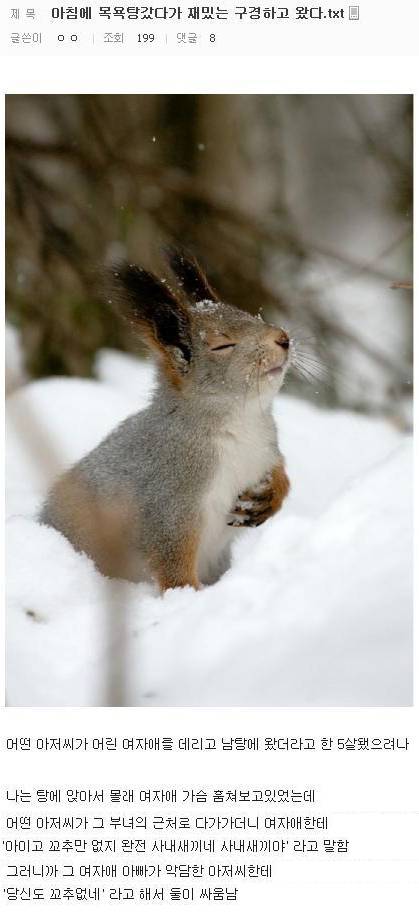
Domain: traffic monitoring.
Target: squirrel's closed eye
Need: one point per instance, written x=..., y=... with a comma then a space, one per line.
x=223, y=347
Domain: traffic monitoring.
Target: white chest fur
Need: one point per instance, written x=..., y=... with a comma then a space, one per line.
x=246, y=450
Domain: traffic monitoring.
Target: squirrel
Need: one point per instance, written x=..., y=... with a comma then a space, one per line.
x=161, y=496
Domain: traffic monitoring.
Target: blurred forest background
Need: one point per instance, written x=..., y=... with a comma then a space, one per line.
x=299, y=206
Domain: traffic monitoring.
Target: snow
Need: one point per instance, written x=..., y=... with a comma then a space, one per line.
x=50, y=424
x=206, y=306
x=315, y=610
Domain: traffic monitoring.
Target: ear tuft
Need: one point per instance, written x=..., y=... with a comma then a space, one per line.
x=152, y=308
x=190, y=276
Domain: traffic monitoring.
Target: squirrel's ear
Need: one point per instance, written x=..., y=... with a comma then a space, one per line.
x=190, y=276
x=161, y=319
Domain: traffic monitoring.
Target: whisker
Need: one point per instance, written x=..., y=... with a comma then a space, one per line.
x=302, y=373
x=309, y=352
x=319, y=369
x=327, y=375
x=309, y=361
x=303, y=355
x=299, y=365
x=313, y=372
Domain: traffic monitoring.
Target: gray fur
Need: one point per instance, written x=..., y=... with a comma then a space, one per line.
x=151, y=474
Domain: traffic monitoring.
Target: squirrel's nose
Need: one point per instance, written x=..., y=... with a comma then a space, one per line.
x=279, y=337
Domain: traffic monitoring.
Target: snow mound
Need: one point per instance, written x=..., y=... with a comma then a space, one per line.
x=49, y=425
x=315, y=610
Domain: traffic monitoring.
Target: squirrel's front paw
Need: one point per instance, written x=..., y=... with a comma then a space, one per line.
x=253, y=507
